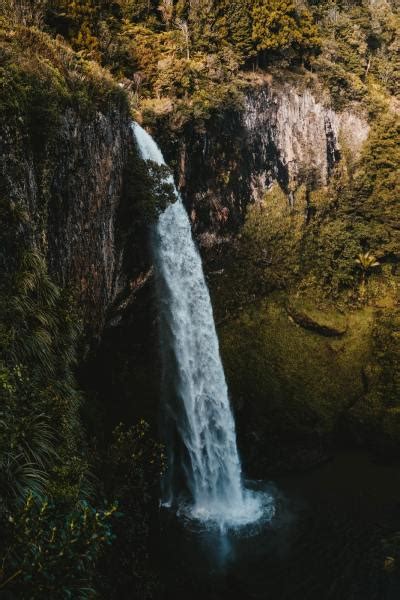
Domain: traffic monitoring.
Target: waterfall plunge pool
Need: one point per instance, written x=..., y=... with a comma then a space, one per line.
x=326, y=541
x=256, y=509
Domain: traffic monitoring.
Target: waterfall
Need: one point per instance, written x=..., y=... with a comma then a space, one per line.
x=202, y=453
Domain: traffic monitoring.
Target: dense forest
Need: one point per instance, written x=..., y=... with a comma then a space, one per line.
x=320, y=251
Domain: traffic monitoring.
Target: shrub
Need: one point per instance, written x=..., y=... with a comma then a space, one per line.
x=51, y=553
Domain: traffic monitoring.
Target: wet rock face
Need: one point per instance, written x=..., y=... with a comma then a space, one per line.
x=71, y=189
x=85, y=193
x=281, y=134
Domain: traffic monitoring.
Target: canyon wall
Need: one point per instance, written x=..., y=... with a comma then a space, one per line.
x=281, y=133
x=71, y=190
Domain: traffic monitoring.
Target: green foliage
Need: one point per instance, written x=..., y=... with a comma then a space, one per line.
x=270, y=239
x=139, y=10
x=391, y=551
x=146, y=192
x=163, y=46
x=81, y=19
x=39, y=424
x=236, y=26
x=47, y=547
x=201, y=22
x=149, y=185
x=50, y=553
x=39, y=403
x=51, y=539
x=189, y=52
x=280, y=26
x=94, y=29
x=39, y=331
x=362, y=214
x=366, y=261
x=378, y=411
x=356, y=215
x=360, y=42
x=266, y=255
x=133, y=467
x=53, y=546
x=135, y=463
x=387, y=355
x=27, y=444
x=344, y=86
x=301, y=383
x=375, y=204
x=24, y=12
x=330, y=256
x=40, y=78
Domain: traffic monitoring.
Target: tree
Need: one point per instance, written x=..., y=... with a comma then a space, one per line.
x=138, y=11
x=279, y=26
x=24, y=12
x=374, y=205
x=166, y=9
x=201, y=20
x=235, y=25
x=184, y=29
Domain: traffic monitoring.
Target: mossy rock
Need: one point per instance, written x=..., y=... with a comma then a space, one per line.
x=288, y=383
x=330, y=323
x=377, y=414
x=40, y=78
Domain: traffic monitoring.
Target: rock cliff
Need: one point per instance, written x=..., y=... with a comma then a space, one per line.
x=66, y=163
x=268, y=187
x=71, y=189
x=282, y=133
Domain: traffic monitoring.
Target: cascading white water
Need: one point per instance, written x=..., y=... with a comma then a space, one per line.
x=202, y=451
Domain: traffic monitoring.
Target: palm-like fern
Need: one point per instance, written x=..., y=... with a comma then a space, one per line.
x=38, y=403
x=366, y=261
x=33, y=313
x=19, y=477
x=27, y=447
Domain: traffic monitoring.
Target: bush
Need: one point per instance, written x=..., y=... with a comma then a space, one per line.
x=132, y=471
x=51, y=553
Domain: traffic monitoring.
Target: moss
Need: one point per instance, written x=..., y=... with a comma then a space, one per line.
x=293, y=381
x=378, y=411
x=305, y=314
x=40, y=78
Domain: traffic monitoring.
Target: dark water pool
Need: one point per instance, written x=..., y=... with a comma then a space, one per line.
x=326, y=542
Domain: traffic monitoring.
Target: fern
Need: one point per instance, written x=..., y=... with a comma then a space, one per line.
x=27, y=452
x=39, y=413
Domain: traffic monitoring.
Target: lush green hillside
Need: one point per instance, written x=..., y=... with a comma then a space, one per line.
x=188, y=55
